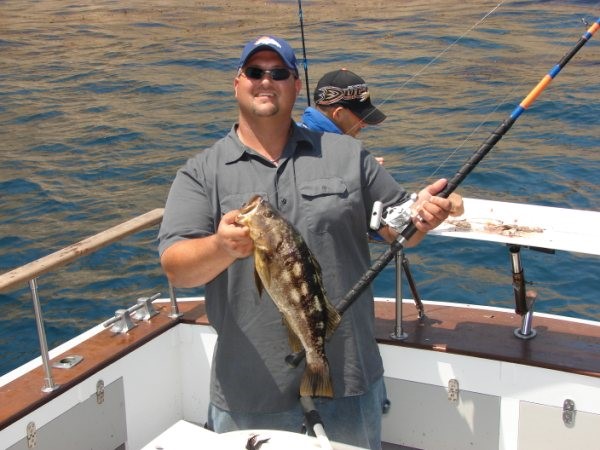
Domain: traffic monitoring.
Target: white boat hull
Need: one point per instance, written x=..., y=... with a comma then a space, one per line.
x=500, y=405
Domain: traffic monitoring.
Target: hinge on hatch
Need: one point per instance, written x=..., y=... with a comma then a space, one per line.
x=568, y=414
x=31, y=435
x=100, y=392
x=453, y=390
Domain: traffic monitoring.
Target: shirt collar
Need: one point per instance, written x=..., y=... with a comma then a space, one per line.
x=299, y=138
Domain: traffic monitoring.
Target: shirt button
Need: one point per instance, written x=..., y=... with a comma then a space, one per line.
x=283, y=201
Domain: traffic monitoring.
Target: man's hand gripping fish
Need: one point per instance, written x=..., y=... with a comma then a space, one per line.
x=291, y=275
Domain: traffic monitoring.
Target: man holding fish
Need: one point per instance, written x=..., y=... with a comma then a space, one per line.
x=307, y=200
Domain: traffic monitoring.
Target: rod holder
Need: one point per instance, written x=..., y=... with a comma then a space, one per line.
x=526, y=331
x=523, y=300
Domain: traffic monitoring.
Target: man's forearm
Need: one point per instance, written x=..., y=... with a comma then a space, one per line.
x=194, y=262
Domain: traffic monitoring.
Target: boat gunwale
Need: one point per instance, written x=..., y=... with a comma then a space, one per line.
x=23, y=394
x=445, y=333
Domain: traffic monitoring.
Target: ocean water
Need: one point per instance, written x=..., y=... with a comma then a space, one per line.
x=101, y=101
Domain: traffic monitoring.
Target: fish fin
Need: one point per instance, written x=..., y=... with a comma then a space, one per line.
x=258, y=282
x=333, y=319
x=261, y=272
x=315, y=263
x=295, y=344
x=316, y=381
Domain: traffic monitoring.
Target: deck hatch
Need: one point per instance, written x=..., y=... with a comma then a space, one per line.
x=424, y=418
x=89, y=424
x=544, y=426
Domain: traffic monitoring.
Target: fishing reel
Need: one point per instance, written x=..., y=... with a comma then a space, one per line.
x=396, y=217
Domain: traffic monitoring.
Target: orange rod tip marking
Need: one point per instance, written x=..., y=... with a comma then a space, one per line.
x=536, y=91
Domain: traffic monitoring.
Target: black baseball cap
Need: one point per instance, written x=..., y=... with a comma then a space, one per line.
x=345, y=88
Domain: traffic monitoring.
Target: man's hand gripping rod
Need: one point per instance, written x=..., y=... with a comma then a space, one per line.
x=410, y=229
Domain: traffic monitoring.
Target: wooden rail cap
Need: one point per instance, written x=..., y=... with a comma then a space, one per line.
x=68, y=254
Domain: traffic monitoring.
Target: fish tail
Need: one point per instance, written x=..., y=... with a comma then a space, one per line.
x=316, y=381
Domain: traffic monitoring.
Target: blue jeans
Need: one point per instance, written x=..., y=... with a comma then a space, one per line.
x=352, y=420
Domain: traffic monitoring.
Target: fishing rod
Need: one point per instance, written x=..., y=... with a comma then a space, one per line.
x=409, y=228
x=301, y=16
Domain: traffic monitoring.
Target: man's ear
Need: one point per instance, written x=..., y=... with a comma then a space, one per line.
x=236, y=81
x=298, y=86
x=337, y=112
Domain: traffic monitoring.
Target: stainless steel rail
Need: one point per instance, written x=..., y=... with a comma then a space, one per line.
x=29, y=272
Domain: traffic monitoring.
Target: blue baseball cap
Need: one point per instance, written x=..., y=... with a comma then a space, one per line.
x=279, y=46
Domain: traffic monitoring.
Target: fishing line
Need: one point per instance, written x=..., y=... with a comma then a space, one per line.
x=468, y=138
x=420, y=71
x=442, y=53
x=438, y=56
x=503, y=128
x=429, y=64
x=301, y=16
x=484, y=121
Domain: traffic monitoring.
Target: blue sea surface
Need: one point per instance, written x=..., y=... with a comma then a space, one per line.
x=101, y=102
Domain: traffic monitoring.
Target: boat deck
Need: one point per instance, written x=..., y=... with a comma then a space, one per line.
x=467, y=330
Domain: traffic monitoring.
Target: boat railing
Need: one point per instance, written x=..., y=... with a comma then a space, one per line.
x=28, y=274
x=551, y=231
x=122, y=321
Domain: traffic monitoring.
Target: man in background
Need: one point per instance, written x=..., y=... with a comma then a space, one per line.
x=342, y=105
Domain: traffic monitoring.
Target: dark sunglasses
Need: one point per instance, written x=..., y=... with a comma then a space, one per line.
x=256, y=73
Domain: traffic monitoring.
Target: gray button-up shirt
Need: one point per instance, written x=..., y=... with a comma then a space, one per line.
x=325, y=185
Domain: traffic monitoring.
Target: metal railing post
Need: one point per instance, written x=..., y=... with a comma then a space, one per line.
x=174, y=307
x=49, y=385
x=399, y=333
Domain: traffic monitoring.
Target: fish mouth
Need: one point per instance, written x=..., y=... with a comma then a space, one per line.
x=248, y=208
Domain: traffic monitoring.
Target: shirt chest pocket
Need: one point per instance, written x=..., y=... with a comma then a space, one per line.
x=325, y=202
